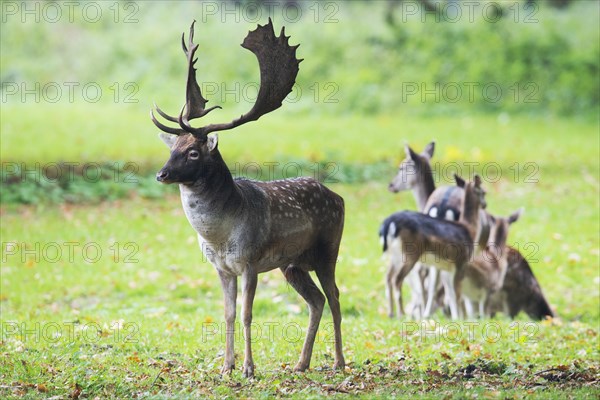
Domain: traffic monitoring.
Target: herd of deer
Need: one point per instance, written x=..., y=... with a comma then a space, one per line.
x=453, y=242
x=247, y=227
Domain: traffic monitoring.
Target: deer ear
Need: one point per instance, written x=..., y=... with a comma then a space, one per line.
x=168, y=139
x=460, y=182
x=212, y=142
x=410, y=153
x=477, y=180
x=428, y=151
x=514, y=217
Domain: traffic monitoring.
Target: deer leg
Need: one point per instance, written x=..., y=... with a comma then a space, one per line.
x=482, y=309
x=431, y=289
x=407, y=266
x=327, y=280
x=450, y=294
x=485, y=306
x=229, y=286
x=398, y=292
x=423, y=273
x=389, y=284
x=469, y=311
x=249, y=281
x=415, y=282
x=305, y=286
x=458, y=278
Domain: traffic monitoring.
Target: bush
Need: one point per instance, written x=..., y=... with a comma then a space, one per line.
x=544, y=60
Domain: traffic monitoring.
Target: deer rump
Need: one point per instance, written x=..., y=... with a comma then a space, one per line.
x=419, y=236
x=521, y=291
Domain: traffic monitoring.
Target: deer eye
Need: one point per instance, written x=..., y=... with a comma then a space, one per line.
x=193, y=154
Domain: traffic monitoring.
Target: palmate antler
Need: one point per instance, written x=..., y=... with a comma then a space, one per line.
x=278, y=70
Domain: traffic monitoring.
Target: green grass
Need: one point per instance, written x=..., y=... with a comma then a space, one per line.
x=134, y=323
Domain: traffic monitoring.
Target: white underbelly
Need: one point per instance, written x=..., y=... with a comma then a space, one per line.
x=436, y=260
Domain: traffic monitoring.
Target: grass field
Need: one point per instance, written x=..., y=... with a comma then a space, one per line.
x=102, y=301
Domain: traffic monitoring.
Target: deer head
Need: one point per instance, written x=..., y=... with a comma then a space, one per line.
x=413, y=169
x=194, y=155
x=499, y=233
x=476, y=193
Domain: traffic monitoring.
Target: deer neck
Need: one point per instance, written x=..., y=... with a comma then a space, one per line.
x=211, y=201
x=425, y=186
x=497, y=241
x=469, y=215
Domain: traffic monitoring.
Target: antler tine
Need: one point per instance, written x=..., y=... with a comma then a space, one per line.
x=164, y=114
x=162, y=127
x=195, y=103
x=190, y=37
x=278, y=70
x=185, y=49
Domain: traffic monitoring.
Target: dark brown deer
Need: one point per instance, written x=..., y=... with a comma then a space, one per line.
x=247, y=227
x=520, y=291
x=448, y=245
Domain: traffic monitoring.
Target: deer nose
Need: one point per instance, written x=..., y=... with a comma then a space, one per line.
x=162, y=175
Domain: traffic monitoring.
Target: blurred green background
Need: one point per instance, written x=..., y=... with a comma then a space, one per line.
x=78, y=80
x=361, y=59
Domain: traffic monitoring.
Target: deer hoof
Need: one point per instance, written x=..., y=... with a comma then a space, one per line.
x=227, y=368
x=339, y=365
x=248, y=371
x=300, y=367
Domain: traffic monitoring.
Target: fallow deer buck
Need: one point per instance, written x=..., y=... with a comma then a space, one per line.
x=248, y=227
x=448, y=245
